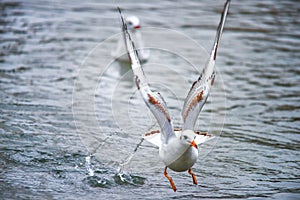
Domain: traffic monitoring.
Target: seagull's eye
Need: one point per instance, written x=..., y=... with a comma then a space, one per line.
x=129, y=23
x=185, y=137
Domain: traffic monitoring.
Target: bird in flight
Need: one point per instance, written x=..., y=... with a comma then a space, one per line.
x=178, y=148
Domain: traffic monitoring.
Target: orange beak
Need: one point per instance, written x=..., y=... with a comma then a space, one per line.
x=193, y=144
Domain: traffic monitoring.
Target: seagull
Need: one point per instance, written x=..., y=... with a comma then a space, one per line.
x=133, y=26
x=178, y=148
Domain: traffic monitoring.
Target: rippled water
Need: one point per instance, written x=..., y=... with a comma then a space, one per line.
x=42, y=52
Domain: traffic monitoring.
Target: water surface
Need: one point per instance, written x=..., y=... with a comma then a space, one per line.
x=42, y=49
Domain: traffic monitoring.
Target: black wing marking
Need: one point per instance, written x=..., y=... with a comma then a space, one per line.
x=153, y=100
x=200, y=89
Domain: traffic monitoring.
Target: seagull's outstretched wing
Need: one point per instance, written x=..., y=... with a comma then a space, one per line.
x=153, y=100
x=199, y=91
x=154, y=137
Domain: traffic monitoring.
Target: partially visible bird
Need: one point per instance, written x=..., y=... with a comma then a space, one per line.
x=133, y=26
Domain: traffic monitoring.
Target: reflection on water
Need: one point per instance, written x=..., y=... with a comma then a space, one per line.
x=42, y=47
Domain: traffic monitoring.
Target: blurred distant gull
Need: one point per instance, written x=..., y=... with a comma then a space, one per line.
x=178, y=148
x=133, y=26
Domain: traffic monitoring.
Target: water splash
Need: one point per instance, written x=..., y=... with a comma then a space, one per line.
x=96, y=181
x=88, y=165
x=128, y=159
x=129, y=179
x=122, y=177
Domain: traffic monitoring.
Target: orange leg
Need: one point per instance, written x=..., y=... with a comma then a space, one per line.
x=170, y=179
x=193, y=176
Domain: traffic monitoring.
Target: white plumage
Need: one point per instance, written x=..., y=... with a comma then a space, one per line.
x=177, y=148
x=133, y=26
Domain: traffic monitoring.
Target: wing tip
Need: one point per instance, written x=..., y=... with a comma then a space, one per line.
x=122, y=19
x=221, y=26
x=119, y=9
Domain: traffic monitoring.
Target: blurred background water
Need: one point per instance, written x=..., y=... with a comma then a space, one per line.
x=42, y=47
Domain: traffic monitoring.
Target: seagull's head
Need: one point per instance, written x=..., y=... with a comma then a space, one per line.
x=188, y=138
x=133, y=23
